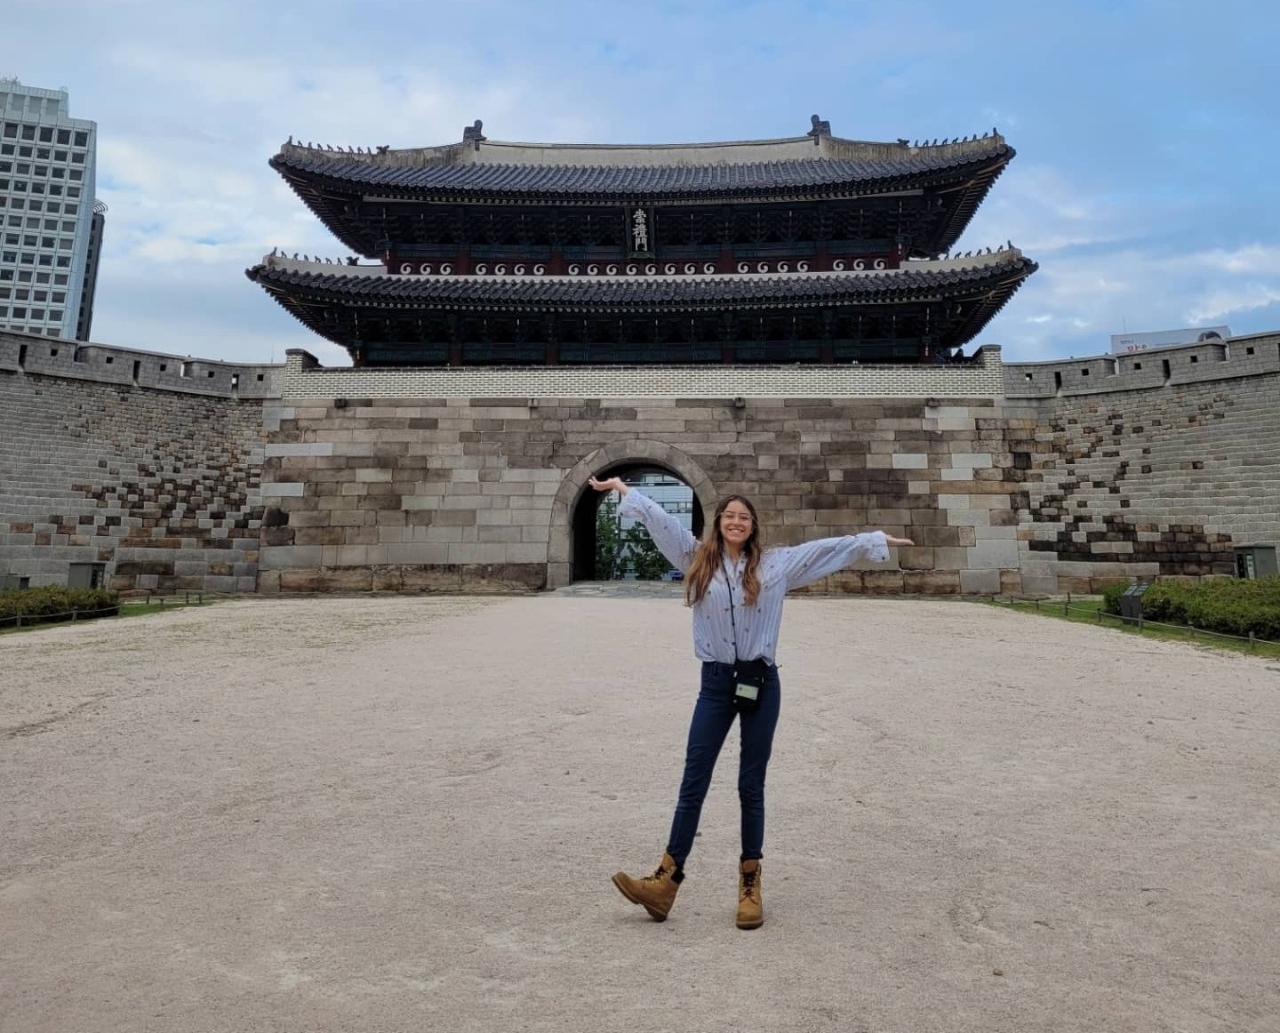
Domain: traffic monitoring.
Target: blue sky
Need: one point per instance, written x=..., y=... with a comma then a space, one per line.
x=1147, y=132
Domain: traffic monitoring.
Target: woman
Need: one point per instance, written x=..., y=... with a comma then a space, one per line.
x=735, y=587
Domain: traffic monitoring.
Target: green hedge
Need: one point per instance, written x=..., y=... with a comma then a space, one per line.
x=1231, y=606
x=53, y=601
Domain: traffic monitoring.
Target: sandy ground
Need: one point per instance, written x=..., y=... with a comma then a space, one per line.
x=402, y=814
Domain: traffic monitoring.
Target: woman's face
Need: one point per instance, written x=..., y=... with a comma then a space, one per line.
x=736, y=524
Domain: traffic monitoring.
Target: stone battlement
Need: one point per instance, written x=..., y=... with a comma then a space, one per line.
x=1146, y=370
x=130, y=367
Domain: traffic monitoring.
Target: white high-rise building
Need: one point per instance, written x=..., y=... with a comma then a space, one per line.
x=50, y=227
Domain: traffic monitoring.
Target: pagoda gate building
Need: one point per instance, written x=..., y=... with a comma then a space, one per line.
x=808, y=250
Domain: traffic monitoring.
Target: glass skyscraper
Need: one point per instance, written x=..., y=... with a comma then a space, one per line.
x=50, y=226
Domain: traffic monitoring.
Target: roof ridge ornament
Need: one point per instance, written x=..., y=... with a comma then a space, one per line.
x=821, y=128
x=473, y=134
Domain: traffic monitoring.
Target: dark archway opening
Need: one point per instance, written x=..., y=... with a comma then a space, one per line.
x=659, y=483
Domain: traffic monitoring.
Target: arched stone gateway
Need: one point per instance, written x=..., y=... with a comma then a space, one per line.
x=573, y=506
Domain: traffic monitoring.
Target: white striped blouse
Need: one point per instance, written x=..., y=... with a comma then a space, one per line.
x=721, y=618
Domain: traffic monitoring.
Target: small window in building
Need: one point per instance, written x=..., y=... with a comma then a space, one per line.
x=1195, y=358
x=1027, y=376
x=1137, y=365
x=53, y=352
x=46, y=134
x=210, y=374
x=163, y=366
x=82, y=138
x=1249, y=350
x=110, y=358
x=261, y=377
x=64, y=136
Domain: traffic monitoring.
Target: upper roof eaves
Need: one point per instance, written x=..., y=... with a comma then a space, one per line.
x=478, y=165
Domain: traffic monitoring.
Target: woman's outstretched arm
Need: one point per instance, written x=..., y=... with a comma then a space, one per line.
x=804, y=564
x=672, y=538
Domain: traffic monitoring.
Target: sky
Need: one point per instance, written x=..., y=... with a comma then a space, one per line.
x=1147, y=132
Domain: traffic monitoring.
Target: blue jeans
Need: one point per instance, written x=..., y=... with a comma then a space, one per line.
x=712, y=718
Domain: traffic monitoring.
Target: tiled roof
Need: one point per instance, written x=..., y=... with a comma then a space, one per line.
x=891, y=163
x=562, y=293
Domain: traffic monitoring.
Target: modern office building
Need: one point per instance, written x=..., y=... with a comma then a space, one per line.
x=50, y=227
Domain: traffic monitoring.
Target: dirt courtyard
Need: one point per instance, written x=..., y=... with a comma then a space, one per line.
x=367, y=814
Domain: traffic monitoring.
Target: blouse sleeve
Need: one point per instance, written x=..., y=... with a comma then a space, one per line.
x=675, y=541
x=804, y=564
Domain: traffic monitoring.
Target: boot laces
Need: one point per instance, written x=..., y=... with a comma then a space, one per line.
x=749, y=884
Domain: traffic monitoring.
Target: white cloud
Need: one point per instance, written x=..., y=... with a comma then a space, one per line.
x=1076, y=301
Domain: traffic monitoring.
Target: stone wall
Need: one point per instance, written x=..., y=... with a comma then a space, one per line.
x=385, y=493
x=1158, y=462
x=147, y=464
x=1034, y=477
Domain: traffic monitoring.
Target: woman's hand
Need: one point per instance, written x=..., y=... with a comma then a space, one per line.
x=612, y=484
x=898, y=541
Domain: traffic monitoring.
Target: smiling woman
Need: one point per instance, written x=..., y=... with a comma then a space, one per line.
x=735, y=587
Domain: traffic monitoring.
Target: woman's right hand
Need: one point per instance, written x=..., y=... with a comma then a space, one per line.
x=612, y=484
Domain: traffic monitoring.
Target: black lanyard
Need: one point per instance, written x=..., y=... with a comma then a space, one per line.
x=728, y=583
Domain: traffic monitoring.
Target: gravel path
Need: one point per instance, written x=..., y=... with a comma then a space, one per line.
x=365, y=814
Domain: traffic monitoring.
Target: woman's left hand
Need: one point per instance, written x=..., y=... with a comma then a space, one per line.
x=898, y=541
x=612, y=484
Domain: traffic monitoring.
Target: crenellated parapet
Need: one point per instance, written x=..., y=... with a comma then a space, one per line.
x=1143, y=371
x=130, y=367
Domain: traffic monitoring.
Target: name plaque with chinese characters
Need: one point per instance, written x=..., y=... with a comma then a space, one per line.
x=640, y=231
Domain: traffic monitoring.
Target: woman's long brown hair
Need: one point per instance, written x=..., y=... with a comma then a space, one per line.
x=710, y=556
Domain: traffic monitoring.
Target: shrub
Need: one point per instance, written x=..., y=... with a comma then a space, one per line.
x=53, y=601
x=1227, y=605
x=1111, y=597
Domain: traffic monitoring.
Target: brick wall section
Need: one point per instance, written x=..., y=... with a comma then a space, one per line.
x=983, y=377
x=158, y=483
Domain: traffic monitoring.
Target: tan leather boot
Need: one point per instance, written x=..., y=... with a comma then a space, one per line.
x=655, y=893
x=750, y=898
